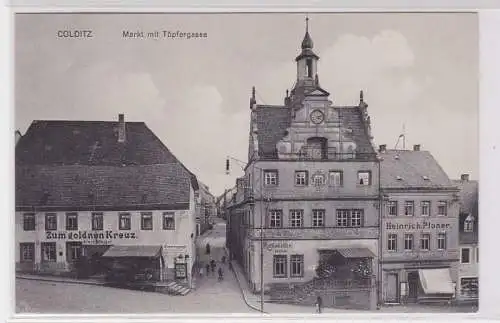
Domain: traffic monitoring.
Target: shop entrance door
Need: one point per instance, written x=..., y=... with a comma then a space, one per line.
x=413, y=281
x=392, y=295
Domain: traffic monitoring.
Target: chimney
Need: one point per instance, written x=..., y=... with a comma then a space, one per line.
x=121, y=128
x=464, y=177
x=416, y=147
x=382, y=148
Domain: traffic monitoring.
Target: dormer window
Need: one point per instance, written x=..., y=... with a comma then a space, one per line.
x=364, y=178
x=399, y=178
x=469, y=224
x=426, y=178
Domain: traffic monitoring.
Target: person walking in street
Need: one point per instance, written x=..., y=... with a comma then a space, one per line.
x=201, y=270
x=221, y=274
x=223, y=260
x=207, y=267
x=207, y=249
x=319, y=304
x=213, y=265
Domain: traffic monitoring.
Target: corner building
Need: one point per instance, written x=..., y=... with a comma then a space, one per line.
x=309, y=198
x=419, y=240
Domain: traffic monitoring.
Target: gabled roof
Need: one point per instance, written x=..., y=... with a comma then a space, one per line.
x=273, y=122
x=469, y=205
x=82, y=187
x=411, y=169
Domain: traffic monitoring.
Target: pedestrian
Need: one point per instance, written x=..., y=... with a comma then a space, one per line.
x=319, y=304
x=207, y=249
x=201, y=271
x=207, y=267
x=221, y=273
x=213, y=265
x=223, y=260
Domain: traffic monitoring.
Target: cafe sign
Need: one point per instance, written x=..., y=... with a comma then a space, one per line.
x=90, y=237
x=424, y=225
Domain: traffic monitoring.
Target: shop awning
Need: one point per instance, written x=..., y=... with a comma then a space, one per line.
x=436, y=281
x=133, y=251
x=356, y=253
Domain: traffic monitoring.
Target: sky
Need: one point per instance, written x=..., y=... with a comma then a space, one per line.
x=419, y=71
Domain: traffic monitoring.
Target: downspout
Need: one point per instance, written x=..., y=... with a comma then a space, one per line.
x=379, y=274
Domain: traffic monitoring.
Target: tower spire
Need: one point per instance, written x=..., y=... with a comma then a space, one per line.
x=307, y=23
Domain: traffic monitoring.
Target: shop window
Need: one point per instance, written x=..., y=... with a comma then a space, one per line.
x=409, y=208
x=279, y=266
x=296, y=218
x=97, y=221
x=469, y=287
x=408, y=241
x=275, y=218
x=48, y=251
x=168, y=221
x=296, y=265
x=364, y=178
x=392, y=242
x=50, y=222
x=146, y=221
x=392, y=208
x=27, y=252
x=73, y=251
x=349, y=218
x=29, y=221
x=442, y=208
x=441, y=241
x=336, y=178
x=318, y=218
x=125, y=222
x=425, y=241
x=71, y=221
x=301, y=178
x=270, y=177
x=425, y=208
x=465, y=256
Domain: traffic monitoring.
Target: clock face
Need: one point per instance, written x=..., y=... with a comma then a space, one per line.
x=317, y=116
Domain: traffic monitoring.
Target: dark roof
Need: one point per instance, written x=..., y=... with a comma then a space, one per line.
x=90, y=143
x=412, y=169
x=273, y=122
x=469, y=205
x=77, y=187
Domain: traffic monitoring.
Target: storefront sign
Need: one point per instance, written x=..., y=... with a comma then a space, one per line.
x=278, y=247
x=424, y=225
x=90, y=237
x=180, y=270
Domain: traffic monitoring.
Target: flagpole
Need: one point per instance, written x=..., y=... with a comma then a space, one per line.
x=404, y=137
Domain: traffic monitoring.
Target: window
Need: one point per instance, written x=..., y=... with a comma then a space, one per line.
x=442, y=208
x=50, y=222
x=469, y=287
x=27, y=252
x=296, y=217
x=441, y=241
x=469, y=224
x=318, y=180
x=465, y=256
x=408, y=241
x=409, y=208
x=392, y=242
x=146, y=221
x=168, y=221
x=301, y=178
x=71, y=221
x=97, y=221
x=425, y=208
x=279, y=265
x=392, y=207
x=29, y=221
x=124, y=221
x=73, y=250
x=364, y=178
x=425, y=241
x=336, y=178
x=350, y=218
x=270, y=177
x=296, y=265
x=309, y=67
x=275, y=218
x=48, y=251
x=318, y=218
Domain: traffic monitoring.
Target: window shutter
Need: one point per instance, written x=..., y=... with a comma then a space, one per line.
x=307, y=178
x=362, y=218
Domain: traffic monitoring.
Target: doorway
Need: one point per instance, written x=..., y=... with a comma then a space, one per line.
x=392, y=292
x=413, y=283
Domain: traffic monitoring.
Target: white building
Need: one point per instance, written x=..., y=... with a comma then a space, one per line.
x=101, y=192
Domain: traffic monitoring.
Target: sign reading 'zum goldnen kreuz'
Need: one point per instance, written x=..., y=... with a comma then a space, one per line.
x=424, y=225
x=89, y=235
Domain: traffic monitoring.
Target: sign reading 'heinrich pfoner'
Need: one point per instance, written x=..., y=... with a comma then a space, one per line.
x=424, y=225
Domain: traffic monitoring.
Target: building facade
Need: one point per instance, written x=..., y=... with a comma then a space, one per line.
x=95, y=192
x=307, y=208
x=419, y=230
x=206, y=209
x=468, y=273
